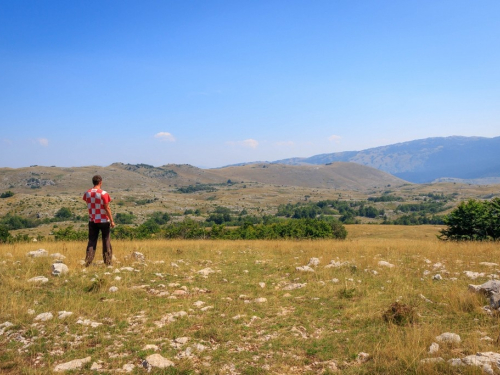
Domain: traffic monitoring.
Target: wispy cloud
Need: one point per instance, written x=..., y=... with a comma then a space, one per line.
x=335, y=138
x=43, y=142
x=165, y=136
x=250, y=143
x=285, y=143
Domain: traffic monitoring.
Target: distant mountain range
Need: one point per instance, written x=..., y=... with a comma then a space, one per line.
x=464, y=159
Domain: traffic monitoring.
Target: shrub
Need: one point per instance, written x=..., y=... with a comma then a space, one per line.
x=7, y=194
x=63, y=213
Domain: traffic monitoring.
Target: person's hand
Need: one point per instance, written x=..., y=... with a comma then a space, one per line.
x=112, y=224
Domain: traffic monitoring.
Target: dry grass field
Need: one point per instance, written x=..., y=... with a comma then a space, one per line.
x=242, y=307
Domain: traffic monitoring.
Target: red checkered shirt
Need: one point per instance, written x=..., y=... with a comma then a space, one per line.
x=96, y=199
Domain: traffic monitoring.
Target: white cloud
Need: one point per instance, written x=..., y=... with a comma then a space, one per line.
x=335, y=138
x=250, y=143
x=285, y=143
x=165, y=136
x=43, y=142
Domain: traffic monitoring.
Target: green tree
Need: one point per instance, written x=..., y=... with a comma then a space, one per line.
x=473, y=221
x=4, y=234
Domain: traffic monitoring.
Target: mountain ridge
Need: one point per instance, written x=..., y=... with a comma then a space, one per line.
x=422, y=160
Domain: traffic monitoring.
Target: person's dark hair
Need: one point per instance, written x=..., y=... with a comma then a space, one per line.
x=96, y=179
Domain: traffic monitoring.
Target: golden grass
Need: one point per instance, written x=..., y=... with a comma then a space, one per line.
x=297, y=331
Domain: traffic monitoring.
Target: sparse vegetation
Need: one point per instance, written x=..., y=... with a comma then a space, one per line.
x=241, y=314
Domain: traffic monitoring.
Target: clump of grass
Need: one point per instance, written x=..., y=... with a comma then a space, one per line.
x=400, y=314
x=96, y=285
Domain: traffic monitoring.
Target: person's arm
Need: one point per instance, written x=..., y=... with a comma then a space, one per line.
x=108, y=213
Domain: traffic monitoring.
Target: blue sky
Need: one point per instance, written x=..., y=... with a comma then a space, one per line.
x=212, y=83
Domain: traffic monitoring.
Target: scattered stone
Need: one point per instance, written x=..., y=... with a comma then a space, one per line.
x=449, y=337
x=304, y=269
x=95, y=366
x=88, y=322
x=179, y=292
x=335, y=280
x=489, y=287
x=488, y=264
x=293, y=286
x=118, y=278
x=43, y=317
x=434, y=348
x=113, y=289
x=38, y=253
x=130, y=269
x=495, y=300
x=59, y=269
x=437, y=277
x=206, y=308
x=75, y=364
x=38, y=280
x=156, y=360
x=128, y=367
x=64, y=314
x=335, y=264
x=181, y=340
x=206, y=271
x=57, y=256
x=473, y=275
x=363, y=357
x=431, y=360
x=262, y=285
x=4, y=326
x=198, y=304
x=138, y=256
x=425, y=299
x=383, y=263
x=260, y=300
x=313, y=262
x=437, y=265
x=483, y=360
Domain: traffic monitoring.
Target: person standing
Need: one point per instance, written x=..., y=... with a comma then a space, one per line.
x=100, y=220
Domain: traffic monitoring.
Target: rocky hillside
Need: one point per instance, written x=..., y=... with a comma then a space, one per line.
x=425, y=160
x=347, y=176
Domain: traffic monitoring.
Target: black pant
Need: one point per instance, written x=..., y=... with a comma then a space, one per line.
x=107, y=251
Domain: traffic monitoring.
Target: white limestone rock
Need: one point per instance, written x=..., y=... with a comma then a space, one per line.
x=449, y=337
x=64, y=314
x=43, y=317
x=206, y=271
x=313, y=262
x=59, y=269
x=156, y=360
x=383, y=263
x=38, y=280
x=293, y=286
x=434, y=348
x=138, y=256
x=473, y=275
x=113, y=289
x=304, y=269
x=57, y=256
x=38, y=253
x=75, y=364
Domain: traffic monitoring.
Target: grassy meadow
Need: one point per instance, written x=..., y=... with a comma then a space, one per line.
x=241, y=314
